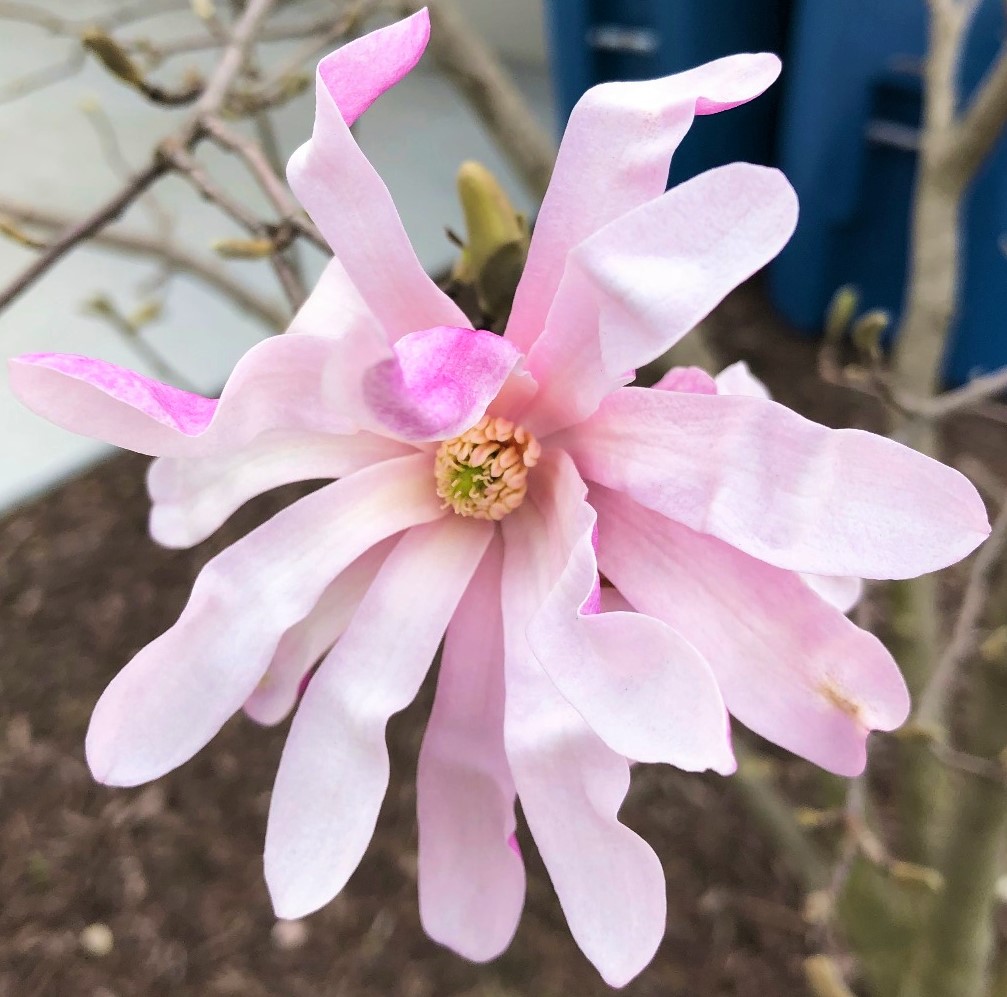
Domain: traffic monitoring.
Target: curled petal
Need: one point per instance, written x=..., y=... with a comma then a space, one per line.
x=642, y=688
x=193, y=496
x=692, y=379
x=779, y=487
x=182, y=687
x=571, y=786
x=303, y=644
x=471, y=878
x=637, y=286
x=278, y=384
x=439, y=383
x=790, y=666
x=332, y=178
x=843, y=593
x=737, y=379
x=334, y=770
x=614, y=157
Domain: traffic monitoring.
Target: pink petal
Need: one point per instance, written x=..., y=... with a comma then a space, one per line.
x=334, y=770
x=692, y=379
x=359, y=72
x=195, y=495
x=278, y=384
x=614, y=157
x=790, y=666
x=303, y=644
x=843, y=593
x=346, y=198
x=335, y=309
x=645, y=691
x=609, y=882
x=439, y=383
x=739, y=380
x=785, y=490
x=471, y=880
x=181, y=688
x=637, y=286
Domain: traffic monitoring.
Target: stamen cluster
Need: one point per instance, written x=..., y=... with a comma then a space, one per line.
x=484, y=472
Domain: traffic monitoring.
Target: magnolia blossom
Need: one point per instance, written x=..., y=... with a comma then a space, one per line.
x=481, y=483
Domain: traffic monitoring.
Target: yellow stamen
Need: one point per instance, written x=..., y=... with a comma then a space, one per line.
x=484, y=472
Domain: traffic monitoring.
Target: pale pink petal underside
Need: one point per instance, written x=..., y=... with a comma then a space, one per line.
x=646, y=692
x=471, y=880
x=571, y=785
x=334, y=770
x=614, y=157
x=637, y=286
x=791, y=667
x=182, y=687
x=193, y=496
x=779, y=487
x=304, y=644
x=347, y=199
x=692, y=379
x=737, y=379
x=837, y=590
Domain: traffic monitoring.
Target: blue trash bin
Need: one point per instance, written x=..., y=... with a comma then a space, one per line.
x=848, y=138
x=593, y=41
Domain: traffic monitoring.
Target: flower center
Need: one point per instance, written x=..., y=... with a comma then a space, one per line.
x=484, y=472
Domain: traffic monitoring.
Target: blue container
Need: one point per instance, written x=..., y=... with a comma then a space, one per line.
x=848, y=139
x=593, y=41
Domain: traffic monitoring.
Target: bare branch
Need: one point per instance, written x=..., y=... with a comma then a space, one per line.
x=188, y=167
x=977, y=391
x=983, y=121
x=234, y=56
x=271, y=315
x=86, y=228
x=39, y=79
x=933, y=706
x=212, y=98
x=475, y=69
x=272, y=186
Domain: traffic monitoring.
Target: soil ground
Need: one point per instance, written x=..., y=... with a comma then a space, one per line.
x=174, y=869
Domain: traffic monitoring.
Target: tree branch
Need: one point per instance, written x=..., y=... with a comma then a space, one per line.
x=933, y=708
x=270, y=314
x=983, y=121
x=475, y=69
x=86, y=228
x=189, y=135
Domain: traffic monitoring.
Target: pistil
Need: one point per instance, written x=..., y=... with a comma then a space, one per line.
x=484, y=472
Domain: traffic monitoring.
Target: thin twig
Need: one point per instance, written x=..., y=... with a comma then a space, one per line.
x=478, y=73
x=933, y=706
x=977, y=391
x=272, y=186
x=189, y=168
x=39, y=79
x=270, y=314
x=233, y=56
x=984, y=119
x=209, y=103
x=86, y=228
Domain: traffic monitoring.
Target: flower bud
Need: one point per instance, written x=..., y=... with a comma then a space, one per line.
x=113, y=57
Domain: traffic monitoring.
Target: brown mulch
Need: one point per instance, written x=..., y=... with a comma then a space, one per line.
x=174, y=869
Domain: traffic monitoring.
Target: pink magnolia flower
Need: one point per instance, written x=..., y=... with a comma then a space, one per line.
x=481, y=482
